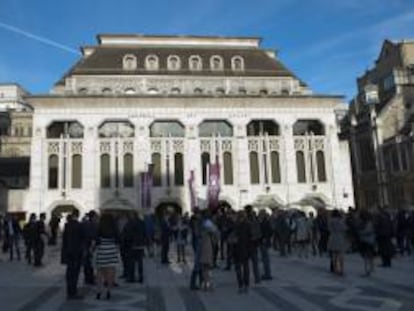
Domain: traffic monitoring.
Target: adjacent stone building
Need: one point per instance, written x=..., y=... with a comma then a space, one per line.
x=176, y=103
x=380, y=129
x=15, y=144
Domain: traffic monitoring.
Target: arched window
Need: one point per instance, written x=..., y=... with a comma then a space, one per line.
x=195, y=63
x=198, y=90
x=105, y=171
x=116, y=129
x=71, y=129
x=254, y=168
x=156, y=172
x=205, y=161
x=77, y=171
x=320, y=161
x=129, y=62
x=304, y=127
x=275, y=166
x=53, y=172
x=216, y=63
x=173, y=62
x=128, y=170
x=166, y=129
x=262, y=127
x=237, y=63
x=242, y=91
x=300, y=167
x=106, y=91
x=211, y=128
x=228, y=168
x=179, y=169
x=151, y=62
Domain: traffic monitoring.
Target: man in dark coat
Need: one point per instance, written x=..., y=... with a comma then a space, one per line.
x=73, y=243
x=134, y=239
x=29, y=233
x=255, y=238
x=384, y=232
x=265, y=243
x=53, y=226
x=90, y=229
x=39, y=244
x=242, y=252
x=12, y=234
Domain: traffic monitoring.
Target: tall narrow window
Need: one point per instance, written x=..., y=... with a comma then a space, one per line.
x=77, y=171
x=156, y=162
x=179, y=169
x=320, y=160
x=53, y=171
x=254, y=168
x=205, y=161
x=128, y=170
x=275, y=165
x=300, y=166
x=105, y=171
x=228, y=168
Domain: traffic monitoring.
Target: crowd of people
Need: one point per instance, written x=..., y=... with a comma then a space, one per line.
x=216, y=240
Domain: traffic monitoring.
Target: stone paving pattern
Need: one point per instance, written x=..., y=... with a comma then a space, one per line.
x=298, y=284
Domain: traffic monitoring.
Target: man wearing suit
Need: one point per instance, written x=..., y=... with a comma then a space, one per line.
x=73, y=243
x=38, y=241
x=12, y=234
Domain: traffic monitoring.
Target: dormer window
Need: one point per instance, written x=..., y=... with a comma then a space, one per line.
x=237, y=63
x=195, y=63
x=151, y=62
x=216, y=63
x=175, y=90
x=130, y=91
x=173, y=62
x=83, y=90
x=198, y=90
x=220, y=91
x=106, y=91
x=129, y=62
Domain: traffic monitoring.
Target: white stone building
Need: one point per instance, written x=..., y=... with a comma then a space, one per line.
x=176, y=102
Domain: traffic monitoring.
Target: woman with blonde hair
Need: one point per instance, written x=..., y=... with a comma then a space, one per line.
x=107, y=254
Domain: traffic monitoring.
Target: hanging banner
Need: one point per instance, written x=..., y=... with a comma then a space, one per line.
x=146, y=186
x=213, y=189
x=193, y=199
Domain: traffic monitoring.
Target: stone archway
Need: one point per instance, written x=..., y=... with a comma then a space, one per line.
x=168, y=207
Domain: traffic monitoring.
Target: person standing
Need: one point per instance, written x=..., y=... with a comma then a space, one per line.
x=165, y=238
x=255, y=238
x=196, y=224
x=181, y=239
x=241, y=251
x=209, y=241
x=384, y=232
x=134, y=242
x=12, y=235
x=107, y=253
x=337, y=241
x=366, y=238
x=53, y=226
x=303, y=234
x=39, y=240
x=29, y=233
x=265, y=244
x=90, y=228
x=73, y=244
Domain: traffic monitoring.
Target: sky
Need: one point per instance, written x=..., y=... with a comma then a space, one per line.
x=326, y=43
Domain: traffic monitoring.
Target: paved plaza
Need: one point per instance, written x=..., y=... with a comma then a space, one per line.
x=298, y=284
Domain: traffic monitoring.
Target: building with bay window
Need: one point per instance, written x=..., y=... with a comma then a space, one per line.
x=175, y=104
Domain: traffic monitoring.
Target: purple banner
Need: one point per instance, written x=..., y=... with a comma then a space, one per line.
x=213, y=189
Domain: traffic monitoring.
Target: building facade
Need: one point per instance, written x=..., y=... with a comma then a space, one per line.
x=175, y=104
x=15, y=146
x=380, y=129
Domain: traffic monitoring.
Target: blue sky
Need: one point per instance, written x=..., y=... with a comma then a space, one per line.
x=327, y=43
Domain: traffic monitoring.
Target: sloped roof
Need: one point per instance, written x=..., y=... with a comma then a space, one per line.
x=107, y=60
